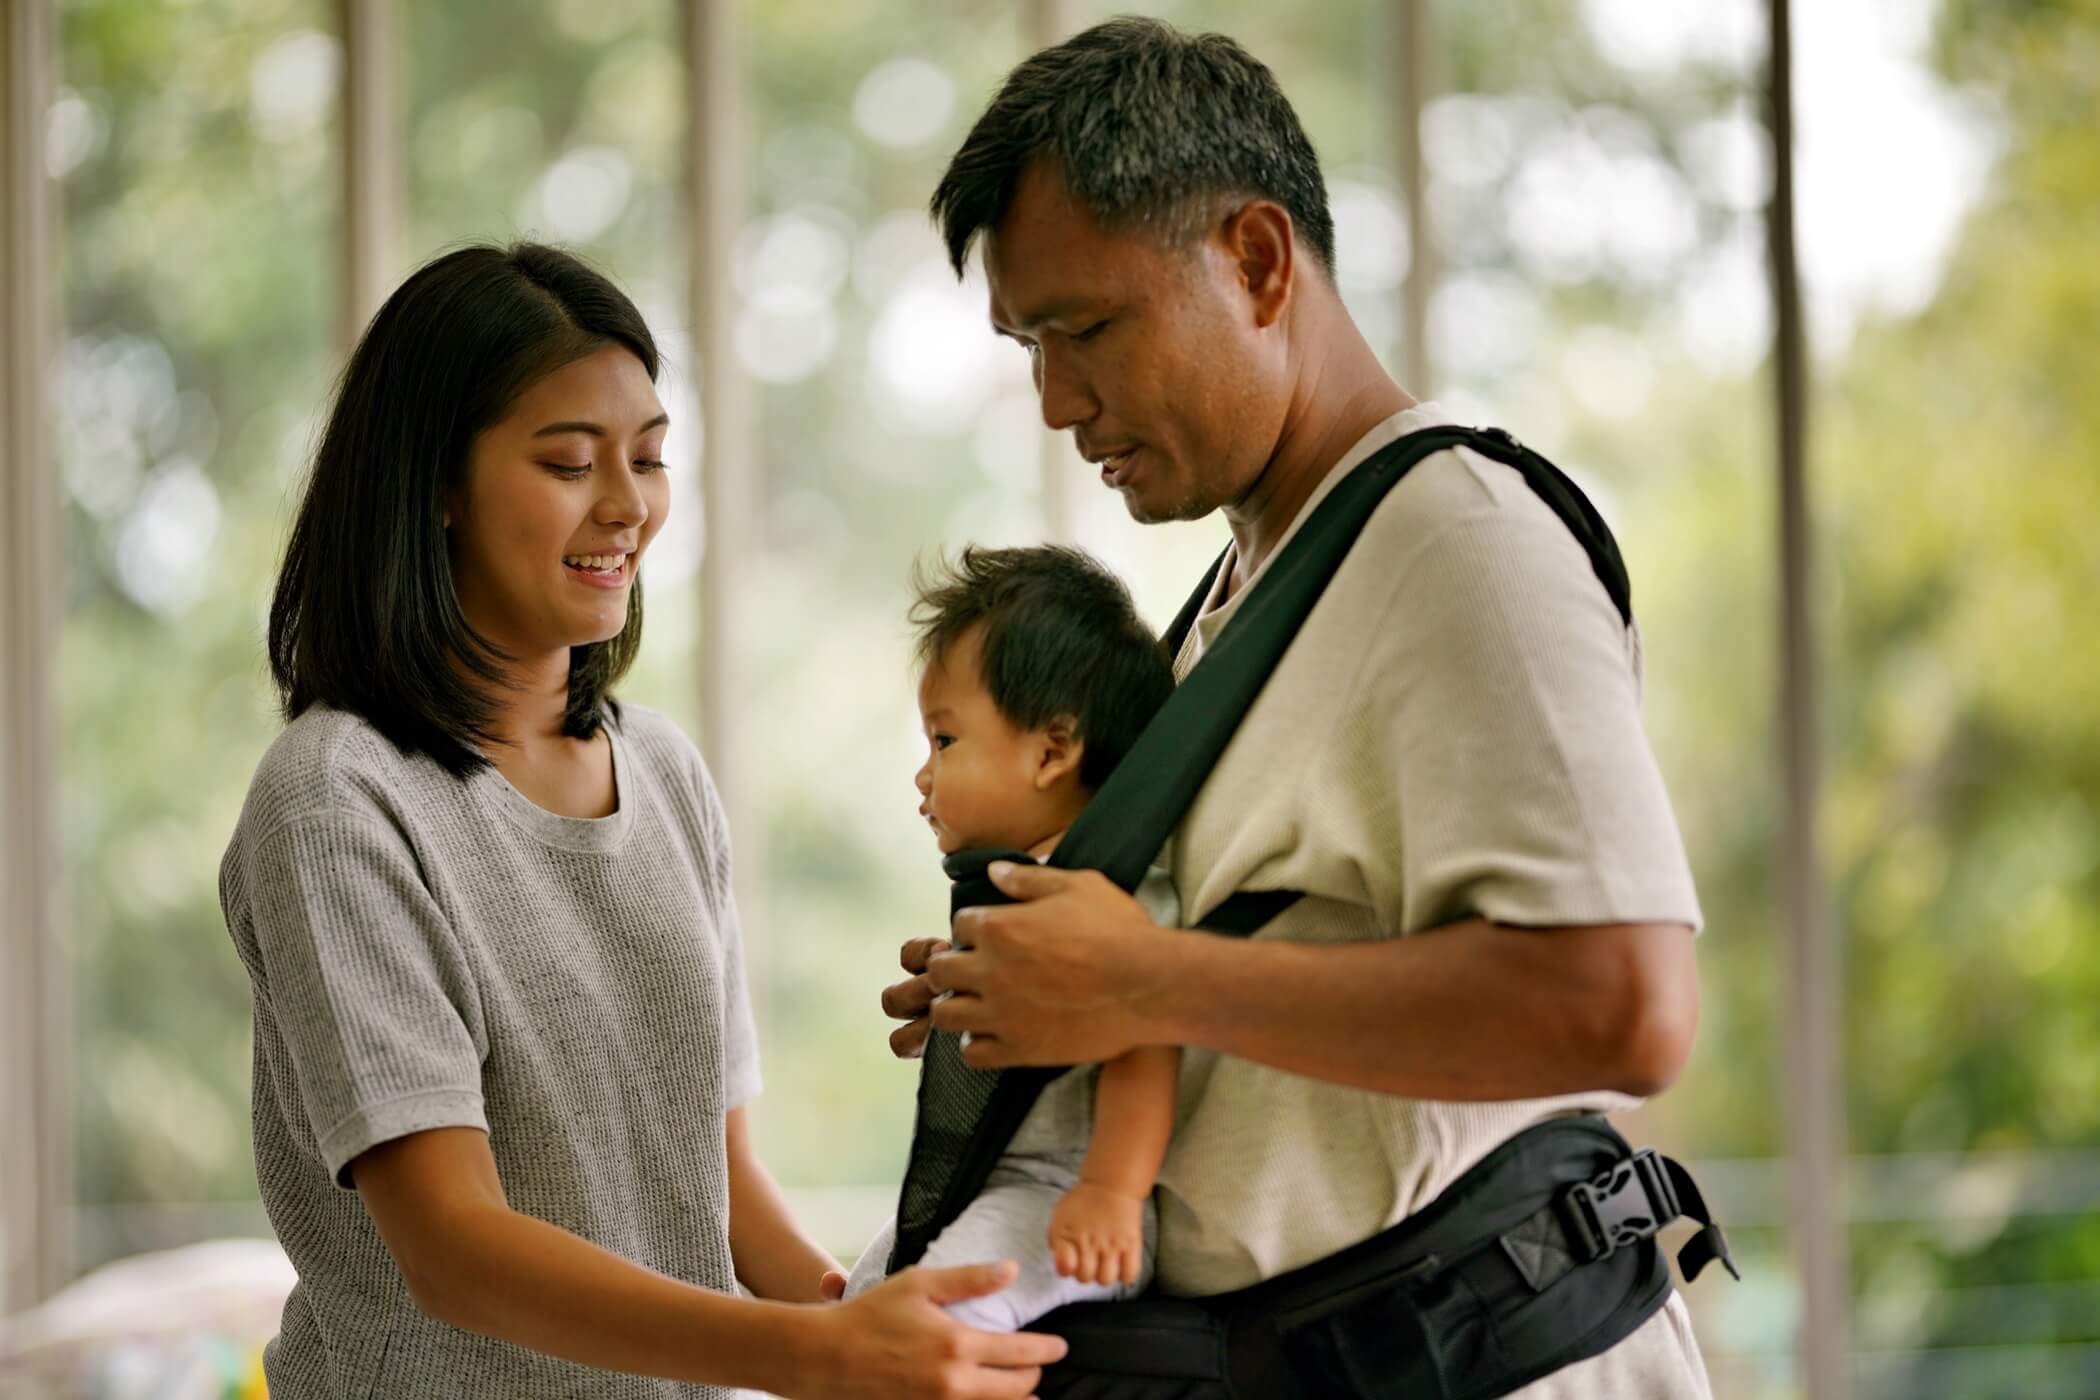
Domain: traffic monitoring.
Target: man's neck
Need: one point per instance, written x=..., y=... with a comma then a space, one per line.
x=1341, y=396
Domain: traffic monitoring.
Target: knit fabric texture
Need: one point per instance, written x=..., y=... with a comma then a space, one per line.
x=428, y=952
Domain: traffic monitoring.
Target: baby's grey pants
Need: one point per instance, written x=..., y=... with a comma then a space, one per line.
x=1010, y=1219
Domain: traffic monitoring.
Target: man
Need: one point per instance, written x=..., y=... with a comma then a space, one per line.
x=1449, y=762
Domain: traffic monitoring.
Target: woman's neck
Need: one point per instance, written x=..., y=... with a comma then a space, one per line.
x=527, y=710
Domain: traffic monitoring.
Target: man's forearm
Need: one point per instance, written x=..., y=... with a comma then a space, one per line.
x=1471, y=1012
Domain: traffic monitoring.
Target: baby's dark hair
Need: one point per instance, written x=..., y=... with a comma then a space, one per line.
x=1061, y=637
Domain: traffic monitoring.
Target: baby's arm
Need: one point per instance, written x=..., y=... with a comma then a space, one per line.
x=1097, y=1230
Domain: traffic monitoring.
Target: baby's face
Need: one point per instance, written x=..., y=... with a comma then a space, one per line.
x=978, y=786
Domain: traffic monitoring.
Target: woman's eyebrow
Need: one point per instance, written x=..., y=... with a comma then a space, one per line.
x=578, y=426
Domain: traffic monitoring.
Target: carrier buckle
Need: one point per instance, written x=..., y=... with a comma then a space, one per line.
x=1627, y=1203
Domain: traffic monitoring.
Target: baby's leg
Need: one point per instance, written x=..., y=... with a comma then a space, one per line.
x=1010, y=1219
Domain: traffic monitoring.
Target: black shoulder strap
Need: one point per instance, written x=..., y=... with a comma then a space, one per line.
x=1551, y=484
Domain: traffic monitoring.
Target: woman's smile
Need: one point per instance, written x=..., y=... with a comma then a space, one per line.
x=599, y=570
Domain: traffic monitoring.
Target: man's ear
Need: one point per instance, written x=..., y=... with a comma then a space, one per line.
x=1060, y=749
x=1258, y=237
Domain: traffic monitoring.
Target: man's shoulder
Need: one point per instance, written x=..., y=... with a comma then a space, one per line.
x=1462, y=546
x=1459, y=486
x=1462, y=522
x=1452, y=486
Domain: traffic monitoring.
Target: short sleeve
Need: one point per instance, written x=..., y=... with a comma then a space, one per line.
x=1507, y=699
x=741, y=1081
x=366, y=985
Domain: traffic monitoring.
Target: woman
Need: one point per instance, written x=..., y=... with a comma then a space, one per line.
x=502, y=1044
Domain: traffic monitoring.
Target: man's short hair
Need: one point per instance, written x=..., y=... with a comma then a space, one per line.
x=1061, y=637
x=1149, y=127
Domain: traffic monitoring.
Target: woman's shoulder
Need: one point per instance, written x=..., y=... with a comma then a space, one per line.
x=658, y=743
x=676, y=770
x=327, y=761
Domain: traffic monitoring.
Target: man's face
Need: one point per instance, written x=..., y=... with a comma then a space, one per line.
x=1149, y=354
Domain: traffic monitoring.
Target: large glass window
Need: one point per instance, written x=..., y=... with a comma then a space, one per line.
x=886, y=425
x=1328, y=59
x=1949, y=168
x=1596, y=181
x=1598, y=200
x=564, y=122
x=199, y=217
x=893, y=425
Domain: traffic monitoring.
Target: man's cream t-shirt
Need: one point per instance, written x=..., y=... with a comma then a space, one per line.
x=1454, y=733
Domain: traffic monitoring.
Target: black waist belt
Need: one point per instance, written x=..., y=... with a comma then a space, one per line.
x=1542, y=1255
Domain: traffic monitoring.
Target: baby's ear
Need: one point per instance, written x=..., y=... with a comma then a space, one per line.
x=1061, y=749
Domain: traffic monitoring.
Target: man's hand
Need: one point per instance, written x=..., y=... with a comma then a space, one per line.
x=907, y=1001
x=1057, y=979
x=1097, y=1235
x=895, y=1339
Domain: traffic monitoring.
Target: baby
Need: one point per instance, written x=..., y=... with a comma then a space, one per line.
x=1036, y=676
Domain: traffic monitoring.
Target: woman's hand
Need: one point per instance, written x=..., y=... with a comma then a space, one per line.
x=907, y=1001
x=895, y=1339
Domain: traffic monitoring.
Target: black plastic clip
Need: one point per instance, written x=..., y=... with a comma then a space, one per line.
x=1624, y=1205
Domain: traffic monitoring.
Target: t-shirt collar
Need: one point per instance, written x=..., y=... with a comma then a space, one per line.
x=1215, y=614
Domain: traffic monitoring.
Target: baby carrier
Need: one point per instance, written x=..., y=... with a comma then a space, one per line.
x=1540, y=1255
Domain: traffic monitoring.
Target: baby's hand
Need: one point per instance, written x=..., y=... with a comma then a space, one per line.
x=1097, y=1235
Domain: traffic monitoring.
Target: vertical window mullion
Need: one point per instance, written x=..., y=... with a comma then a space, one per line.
x=372, y=162
x=1815, y=1102
x=1045, y=23
x=1414, y=60
x=716, y=209
x=36, y=1141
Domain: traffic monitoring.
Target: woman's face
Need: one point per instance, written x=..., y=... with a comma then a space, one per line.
x=559, y=502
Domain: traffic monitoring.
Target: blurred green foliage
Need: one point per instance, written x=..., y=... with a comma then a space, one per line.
x=199, y=294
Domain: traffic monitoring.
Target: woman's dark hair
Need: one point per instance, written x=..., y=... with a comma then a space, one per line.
x=365, y=617
x=1061, y=637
